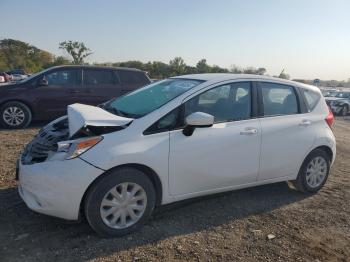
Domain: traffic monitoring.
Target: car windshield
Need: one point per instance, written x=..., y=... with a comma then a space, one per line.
x=147, y=99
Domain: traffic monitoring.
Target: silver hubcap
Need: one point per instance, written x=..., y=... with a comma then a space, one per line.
x=13, y=116
x=123, y=205
x=316, y=172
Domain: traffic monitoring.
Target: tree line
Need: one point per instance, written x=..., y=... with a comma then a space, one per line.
x=17, y=54
x=177, y=66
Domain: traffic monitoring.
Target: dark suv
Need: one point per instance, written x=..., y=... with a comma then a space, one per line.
x=45, y=95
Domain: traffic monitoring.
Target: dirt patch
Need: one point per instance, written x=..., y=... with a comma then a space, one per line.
x=230, y=226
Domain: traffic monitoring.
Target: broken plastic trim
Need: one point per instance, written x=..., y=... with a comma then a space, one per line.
x=89, y=130
x=45, y=143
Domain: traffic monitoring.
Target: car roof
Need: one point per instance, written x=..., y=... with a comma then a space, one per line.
x=96, y=67
x=219, y=77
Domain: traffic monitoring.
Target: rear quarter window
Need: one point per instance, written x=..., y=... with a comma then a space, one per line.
x=133, y=77
x=311, y=99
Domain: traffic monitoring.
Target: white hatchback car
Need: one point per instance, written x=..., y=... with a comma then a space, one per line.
x=175, y=139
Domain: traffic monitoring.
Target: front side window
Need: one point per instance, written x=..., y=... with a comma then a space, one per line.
x=229, y=102
x=98, y=77
x=149, y=98
x=166, y=123
x=278, y=99
x=62, y=77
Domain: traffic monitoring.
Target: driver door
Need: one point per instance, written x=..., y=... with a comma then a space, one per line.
x=221, y=156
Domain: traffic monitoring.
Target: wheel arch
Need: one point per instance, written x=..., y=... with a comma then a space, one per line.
x=151, y=174
x=327, y=149
x=19, y=101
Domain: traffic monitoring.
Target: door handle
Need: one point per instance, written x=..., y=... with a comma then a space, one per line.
x=305, y=122
x=249, y=131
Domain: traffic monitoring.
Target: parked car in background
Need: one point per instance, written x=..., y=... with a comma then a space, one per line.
x=45, y=95
x=339, y=103
x=18, y=77
x=7, y=77
x=2, y=79
x=329, y=93
x=17, y=72
x=175, y=139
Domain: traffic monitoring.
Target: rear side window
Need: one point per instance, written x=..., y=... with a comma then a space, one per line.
x=311, y=99
x=133, y=77
x=99, y=77
x=279, y=99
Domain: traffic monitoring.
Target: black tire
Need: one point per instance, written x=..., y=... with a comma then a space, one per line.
x=98, y=191
x=300, y=183
x=21, y=107
x=345, y=110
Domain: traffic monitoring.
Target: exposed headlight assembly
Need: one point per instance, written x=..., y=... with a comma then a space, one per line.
x=74, y=148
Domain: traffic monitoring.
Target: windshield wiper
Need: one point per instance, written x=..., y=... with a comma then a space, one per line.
x=118, y=112
x=115, y=111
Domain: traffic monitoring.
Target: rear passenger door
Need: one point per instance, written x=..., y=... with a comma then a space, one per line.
x=131, y=80
x=100, y=85
x=286, y=131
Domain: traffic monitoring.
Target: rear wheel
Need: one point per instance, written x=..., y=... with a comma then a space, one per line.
x=314, y=172
x=120, y=202
x=15, y=115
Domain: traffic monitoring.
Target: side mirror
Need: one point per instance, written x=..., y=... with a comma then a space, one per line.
x=43, y=82
x=197, y=120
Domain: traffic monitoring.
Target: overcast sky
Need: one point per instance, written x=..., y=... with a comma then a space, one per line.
x=308, y=38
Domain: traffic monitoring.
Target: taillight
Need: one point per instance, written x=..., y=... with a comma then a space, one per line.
x=330, y=118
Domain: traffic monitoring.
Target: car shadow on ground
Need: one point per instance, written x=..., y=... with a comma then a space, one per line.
x=33, y=125
x=52, y=237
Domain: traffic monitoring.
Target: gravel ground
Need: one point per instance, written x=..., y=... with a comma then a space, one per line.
x=232, y=226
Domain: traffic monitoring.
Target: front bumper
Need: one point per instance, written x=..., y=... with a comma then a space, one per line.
x=56, y=188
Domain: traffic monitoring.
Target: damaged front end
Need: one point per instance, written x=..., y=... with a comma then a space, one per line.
x=70, y=136
x=45, y=142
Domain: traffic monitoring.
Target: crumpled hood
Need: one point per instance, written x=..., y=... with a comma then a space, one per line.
x=80, y=115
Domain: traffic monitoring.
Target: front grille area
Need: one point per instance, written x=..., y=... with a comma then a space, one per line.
x=45, y=142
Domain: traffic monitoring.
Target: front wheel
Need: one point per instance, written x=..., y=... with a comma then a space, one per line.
x=120, y=202
x=314, y=172
x=15, y=115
